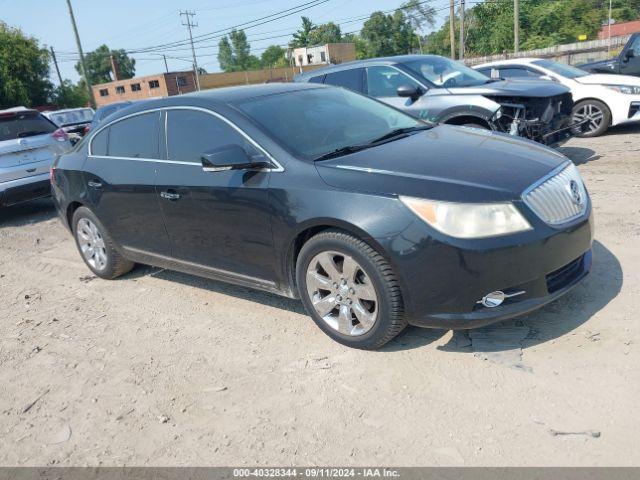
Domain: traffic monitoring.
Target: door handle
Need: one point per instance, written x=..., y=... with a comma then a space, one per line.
x=170, y=195
x=94, y=184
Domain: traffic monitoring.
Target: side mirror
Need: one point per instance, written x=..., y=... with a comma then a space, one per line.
x=629, y=54
x=409, y=91
x=547, y=77
x=229, y=157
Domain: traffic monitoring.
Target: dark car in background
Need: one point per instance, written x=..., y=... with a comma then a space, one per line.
x=373, y=218
x=626, y=63
x=29, y=143
x=104, y=111
x=441, y=90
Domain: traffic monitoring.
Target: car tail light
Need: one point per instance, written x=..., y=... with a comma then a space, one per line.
x=60, y=135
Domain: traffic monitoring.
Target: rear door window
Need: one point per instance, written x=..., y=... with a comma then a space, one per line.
x=351, y=79
x=135, y=137
x=190, y=133
x=24, y=124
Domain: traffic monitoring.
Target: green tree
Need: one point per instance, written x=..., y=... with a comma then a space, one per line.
x=542, y=24
x=24, y=70
x=69, y=95
x=388, y=34
x=420, y=15
x=361, y=44
x=273, y=56
x=234, y=53
x=301, y=37
x=98, y=64
x=325, y=33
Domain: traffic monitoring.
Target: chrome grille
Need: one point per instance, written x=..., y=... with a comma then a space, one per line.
x=560, y=198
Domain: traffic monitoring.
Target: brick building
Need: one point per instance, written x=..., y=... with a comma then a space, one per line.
x=617, y=29
x=141, y=88
x=331, y=53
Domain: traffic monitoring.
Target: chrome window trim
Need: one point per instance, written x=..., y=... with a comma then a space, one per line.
x=278, y=167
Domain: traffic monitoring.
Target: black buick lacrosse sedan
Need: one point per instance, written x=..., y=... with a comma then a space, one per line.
x=374, y=219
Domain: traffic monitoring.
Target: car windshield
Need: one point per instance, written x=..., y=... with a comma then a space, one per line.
x=443, y=72
x=82, y=115
x=560, y=68
x=311, y=123
x=23, y=124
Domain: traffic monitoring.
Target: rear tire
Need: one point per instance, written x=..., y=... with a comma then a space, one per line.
x=597, y=113
x=349, y=290
x=96, y=246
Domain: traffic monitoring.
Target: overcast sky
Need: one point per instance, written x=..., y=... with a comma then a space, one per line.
x=135, y=24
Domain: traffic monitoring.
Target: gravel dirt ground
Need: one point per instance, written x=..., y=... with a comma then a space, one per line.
x=160, y=368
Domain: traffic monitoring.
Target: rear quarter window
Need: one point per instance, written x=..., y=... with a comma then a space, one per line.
x=99, y=142
x=318, y=79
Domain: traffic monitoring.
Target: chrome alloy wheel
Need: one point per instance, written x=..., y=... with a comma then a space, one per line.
x=342, y=293
x=592, y=113
x=91, y=244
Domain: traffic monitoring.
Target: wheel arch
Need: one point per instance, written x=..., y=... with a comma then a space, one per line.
x=464, y=119
x=311, y=228
x=71, y=209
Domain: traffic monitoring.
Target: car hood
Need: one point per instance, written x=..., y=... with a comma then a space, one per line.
x=608, y=79
x=451, y=163
x=513, y=88
x=608, y=64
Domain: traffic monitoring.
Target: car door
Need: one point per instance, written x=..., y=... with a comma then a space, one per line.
x=217, y=220
x=383, y=81
x=631, y=65
x=120, y=173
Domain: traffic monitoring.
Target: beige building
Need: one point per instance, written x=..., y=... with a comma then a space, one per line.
x=142, y=88
x=331, y=53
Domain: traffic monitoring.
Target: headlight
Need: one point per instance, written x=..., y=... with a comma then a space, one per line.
x=468, y=220
x=628, y=89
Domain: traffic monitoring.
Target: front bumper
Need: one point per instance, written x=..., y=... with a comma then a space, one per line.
x=24, y=190
x=443, y=279
x=570, y=276
x=558, y=137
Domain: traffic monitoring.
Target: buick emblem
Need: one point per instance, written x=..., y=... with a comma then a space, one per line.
x=574, y=190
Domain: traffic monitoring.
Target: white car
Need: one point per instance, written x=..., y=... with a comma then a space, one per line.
x=29, y=143
x=602, y=99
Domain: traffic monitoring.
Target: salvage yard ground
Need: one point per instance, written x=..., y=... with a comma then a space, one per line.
x=161, y=368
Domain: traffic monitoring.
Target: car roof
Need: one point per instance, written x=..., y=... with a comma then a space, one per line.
x=65, y=110
x=17, y=109
x=393, y=60
x=509, y=61
x=217, y=97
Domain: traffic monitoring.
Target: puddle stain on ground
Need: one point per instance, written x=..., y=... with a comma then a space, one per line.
x=501, y=344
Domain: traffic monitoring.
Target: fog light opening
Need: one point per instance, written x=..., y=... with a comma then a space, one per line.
x=493, y=299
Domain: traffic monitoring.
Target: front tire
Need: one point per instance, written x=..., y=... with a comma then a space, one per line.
x=96, y=246
x=597, y=114
x=349, y=290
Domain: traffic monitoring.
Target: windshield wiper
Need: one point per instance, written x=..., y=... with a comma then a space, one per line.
x=399, y=133
x=342, y=151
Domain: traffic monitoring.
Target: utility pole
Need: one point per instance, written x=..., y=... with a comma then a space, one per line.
x=609, y=22
x=83, y=65
x=516, y=26
x=461, y=56
x=55, y=62
x=452, y=28
x=188, y=14
x=166, y=67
